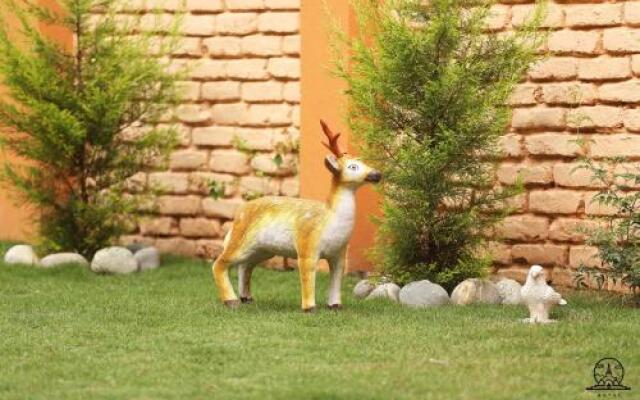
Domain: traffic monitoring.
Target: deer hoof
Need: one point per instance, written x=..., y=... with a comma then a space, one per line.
x=246, y=300
x=335, y=307
x=309, y=310
x=232, y=304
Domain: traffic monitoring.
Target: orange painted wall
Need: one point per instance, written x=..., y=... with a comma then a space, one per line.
x=322, y=97
x=15, y=220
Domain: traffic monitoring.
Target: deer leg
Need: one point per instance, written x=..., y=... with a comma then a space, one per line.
x=307, y=268
x=244, y=282
x=336, y=268
x=221, y=277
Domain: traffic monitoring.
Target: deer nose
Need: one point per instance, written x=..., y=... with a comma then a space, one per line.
x=373, y=177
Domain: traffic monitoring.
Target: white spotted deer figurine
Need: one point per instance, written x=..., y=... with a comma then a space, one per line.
x=305, y=229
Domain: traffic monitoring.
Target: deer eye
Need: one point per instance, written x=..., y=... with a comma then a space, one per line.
x=353, y=167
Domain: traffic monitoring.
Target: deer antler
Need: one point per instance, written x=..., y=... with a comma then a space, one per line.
x=333, y=140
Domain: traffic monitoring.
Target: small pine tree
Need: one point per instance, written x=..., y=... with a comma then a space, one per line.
x=428, y=86
x=76, y=114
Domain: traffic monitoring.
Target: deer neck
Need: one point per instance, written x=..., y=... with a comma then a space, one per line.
x=342, y=202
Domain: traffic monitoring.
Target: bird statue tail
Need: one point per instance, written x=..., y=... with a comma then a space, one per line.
x=562, y=302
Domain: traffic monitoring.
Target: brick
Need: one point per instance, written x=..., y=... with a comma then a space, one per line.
x=265, y=164
x=500, y=253
x=291, y=45
x=205, y=5
x=497, y=17
x=209, y=69
x=604, y=68
x=243, y=5
x=282, y=4
x=292, y=92
x=538, y=117
x=160, y=23
x=623, y=92
x=176, y=246
x=229, y=161
x=590, y=15
x=189, y=90
x=247, y=69
x=574, y=42
x=554, y=68
x=279, y=22
x=510, y=145
x=199, y=227
x=523, y=227
x=259, y=185
x=219, y=136
x=261, y=45
x=553, y=144
x=594, y=207
x=621, y=40
x=169, y=182
x=268, y=114
x=198, y=25
x=631, y=119
x=256, y=92
x=193, y=113
x=237, y=23
x=544, y=254
x=614, y=146
x=632, y=13
x=136, y=183
x=525, y=95
x=522, y=14
x=157, y=226
x=295, y=116
x=571, y=229
x=220, y=90
x=515, y=272
x=200, y=182
x=595, y=117
x=509, y=173
x=284, y=67
x=256, y=139
x=626, y=175
x=209, y=249
x=220, y=208
x=635, y=64
x=583, y=255
x=290, y=187
x=569, y=93
x=572, y=175
x=188, y=46
x=228, y=114
x=188, y=159
x=555, y=201
x=223, y=46
x=179, y=205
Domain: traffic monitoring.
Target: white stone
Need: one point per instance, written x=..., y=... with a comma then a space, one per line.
x=509, y=290
x=423, y=294
x=147, y=258
x=115, y=260
x=385, y=291
x=21, y=254
x=472, y=291
x=363, y=289
x=539, y=297
x=57, y=259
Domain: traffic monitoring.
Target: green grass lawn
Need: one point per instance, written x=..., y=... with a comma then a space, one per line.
x=69, y=333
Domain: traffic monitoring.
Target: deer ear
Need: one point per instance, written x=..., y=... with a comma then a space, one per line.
x=331, y=162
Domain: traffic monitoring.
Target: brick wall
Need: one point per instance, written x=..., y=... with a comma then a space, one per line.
x=588, y=87
x=239, y=123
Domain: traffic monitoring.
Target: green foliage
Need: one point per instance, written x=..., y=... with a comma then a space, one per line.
x=618, y=240
x=217, y=189
x=428, y=87
x=76, y=115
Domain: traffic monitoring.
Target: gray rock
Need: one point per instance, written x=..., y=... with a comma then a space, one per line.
x=471, y=291
x=147, y=258
x=385, y=291
x=114, y=260
x=423, y=294
x=57, y=259
x=362, y=289
x=21, y=254
x=509, y=291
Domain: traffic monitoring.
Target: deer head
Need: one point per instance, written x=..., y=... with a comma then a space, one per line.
x=346, y=169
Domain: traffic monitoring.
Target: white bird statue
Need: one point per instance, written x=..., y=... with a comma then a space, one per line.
x=539, y=296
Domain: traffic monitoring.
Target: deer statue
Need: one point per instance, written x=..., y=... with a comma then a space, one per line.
x=290, y=227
